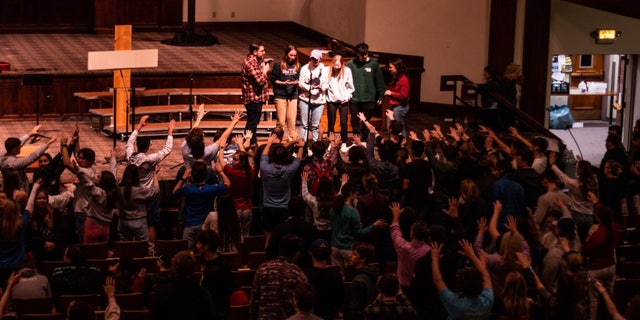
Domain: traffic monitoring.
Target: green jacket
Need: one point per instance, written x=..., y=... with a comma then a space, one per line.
x=362, y=291
x=367, y=80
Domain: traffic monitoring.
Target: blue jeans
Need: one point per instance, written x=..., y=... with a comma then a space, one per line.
x=400, y=115
x=135, y=229
x=80, y=218
x=191, y=235
x=244, y=217
x=316, y=115
x=583, y=224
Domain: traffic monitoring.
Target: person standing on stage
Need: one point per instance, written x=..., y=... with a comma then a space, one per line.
x=254, y=86
x=369, y=87
x=312, y=86
x=338, y=95
x=398, y=93
x=284, y=78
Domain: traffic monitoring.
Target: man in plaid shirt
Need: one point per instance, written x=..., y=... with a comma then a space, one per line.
x=255, y=82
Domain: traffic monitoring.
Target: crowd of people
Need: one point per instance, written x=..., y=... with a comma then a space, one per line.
x=475, y=223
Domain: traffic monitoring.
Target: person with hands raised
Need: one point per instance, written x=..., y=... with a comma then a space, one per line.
x=10, y=160
x=346, y=226
x=408, y=251
x=199, y=197
x=385, y=169
x=477, y=294
x=503, y=261
x=633, y=306
x=112, y=312
x=6, y=294
x=240, y=174
x=277, y=173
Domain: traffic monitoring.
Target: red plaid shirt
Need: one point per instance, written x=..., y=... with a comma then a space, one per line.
x=254, y=81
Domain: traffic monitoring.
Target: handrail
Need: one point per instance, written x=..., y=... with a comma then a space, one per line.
x=527, y=119
x=468, y=92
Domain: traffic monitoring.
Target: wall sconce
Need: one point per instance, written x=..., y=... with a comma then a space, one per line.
x=605, y=35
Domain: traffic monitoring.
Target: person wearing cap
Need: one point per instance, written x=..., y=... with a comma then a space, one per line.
x=313, y=83
x=369, y=87
x=10, y=160
x=326, y=280
x=255, y=82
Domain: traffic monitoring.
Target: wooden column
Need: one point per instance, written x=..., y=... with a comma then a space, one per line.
x=122, y=77
x=535, y=59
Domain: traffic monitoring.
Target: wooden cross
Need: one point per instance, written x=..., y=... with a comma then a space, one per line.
x=121, y=61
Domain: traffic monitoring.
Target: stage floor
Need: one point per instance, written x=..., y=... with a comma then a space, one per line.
x=66, y=54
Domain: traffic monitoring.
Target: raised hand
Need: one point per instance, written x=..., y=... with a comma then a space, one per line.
x=389, y=114
x=426, y=134
x=482, y=225
x=143, y=120
x=35, y=130
x=512, y=224
x=362, y=117
x=304, y=176
x=344, y=178
x=523, y=260
x=236, y=116
x=396, y=210
x=453, y=208
x=413, y=136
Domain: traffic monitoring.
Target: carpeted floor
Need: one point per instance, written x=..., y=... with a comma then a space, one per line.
x=67, y=53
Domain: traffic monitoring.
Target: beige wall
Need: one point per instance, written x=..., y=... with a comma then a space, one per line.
x=245, y=10
x=572, y=24
x=422, y=27
x=452, y=36
x=342, y=20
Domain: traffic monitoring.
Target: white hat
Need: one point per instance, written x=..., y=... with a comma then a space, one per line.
x=316, y=54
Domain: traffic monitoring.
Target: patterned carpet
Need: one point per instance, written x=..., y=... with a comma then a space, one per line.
x=67, y=53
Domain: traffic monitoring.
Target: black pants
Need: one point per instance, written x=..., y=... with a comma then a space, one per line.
x=254, y=113
x=332, y=108
x=367, y=109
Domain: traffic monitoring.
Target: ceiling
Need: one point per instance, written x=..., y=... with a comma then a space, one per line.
x=628, y=8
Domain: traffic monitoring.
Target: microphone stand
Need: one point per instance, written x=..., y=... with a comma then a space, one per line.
x=568, y=128
x=191, y=101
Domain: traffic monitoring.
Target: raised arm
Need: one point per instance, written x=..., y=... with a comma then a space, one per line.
x=219, y=170
x=493, y=223
x=234, y=121
x=479, y=263
x=438, y=282
x=514, y=133
x=200, y=116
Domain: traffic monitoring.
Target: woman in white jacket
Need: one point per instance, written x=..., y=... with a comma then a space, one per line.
x=338, y=95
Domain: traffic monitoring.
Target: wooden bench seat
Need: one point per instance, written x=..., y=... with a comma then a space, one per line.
x=176, y=108
x=94, y=95
x=179, y=109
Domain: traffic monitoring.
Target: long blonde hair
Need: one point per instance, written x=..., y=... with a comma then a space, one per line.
x=332, y=72
x=514, y=297
x=11, y=222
